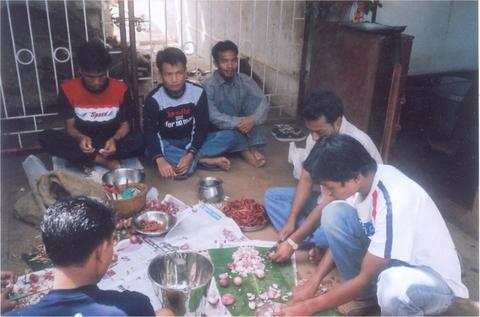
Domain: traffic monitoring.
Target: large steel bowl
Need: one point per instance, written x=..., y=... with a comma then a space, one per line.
x=181, y=280
x=122, y=176
x=210, y=189
x=166, y=220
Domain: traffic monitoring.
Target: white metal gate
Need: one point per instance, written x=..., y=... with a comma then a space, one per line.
x=38, y=38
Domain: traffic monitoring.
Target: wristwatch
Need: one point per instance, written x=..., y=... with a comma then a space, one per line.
x=293, y=244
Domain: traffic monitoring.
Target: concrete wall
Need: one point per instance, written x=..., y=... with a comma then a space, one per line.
x=446, y=33
x=269, y=33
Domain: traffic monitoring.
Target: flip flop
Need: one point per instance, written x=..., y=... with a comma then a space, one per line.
x=180, y=177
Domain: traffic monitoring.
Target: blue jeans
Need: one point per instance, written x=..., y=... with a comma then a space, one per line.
x=278, y=202
x=216, y=143
x=256, y=136
x=401, y=289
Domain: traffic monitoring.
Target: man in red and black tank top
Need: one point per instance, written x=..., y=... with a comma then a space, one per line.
x=96, y=111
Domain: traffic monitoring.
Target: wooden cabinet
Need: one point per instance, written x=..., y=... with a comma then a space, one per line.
x=357, y=66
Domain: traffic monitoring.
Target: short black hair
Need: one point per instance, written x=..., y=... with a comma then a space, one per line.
x=223, y=46
x=338, y=158
x=72, y=228
x=92, y=56
x=322, y=103
x=172, y=56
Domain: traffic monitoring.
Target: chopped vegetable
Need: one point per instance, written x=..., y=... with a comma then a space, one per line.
x=151, y=226
x=247, y=260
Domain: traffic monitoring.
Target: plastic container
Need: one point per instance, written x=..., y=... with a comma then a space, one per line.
x=130, y=207
x=34, y=168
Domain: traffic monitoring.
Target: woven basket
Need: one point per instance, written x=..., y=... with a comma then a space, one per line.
x=129, y=207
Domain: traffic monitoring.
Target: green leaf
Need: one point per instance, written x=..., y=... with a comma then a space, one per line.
x=280, y=274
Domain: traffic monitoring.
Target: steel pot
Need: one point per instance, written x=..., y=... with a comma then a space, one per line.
x=181, y=280
x=122, y=176
x=210, y=190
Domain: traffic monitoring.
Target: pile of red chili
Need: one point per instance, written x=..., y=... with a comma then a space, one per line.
x=246, y=212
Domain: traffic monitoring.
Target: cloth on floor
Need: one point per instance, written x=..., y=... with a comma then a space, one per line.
x=49, y=188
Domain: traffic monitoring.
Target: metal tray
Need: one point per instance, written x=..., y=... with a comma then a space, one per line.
x=164, y=218
x=253, y=228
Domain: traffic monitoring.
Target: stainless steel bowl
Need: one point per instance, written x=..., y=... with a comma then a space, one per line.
x=210, y=189
x=165, y=219
x=121, y=176
x=181, y=280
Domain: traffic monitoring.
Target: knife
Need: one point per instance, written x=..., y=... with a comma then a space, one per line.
x=275, y=246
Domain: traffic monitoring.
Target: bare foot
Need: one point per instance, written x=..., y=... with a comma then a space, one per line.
x=221, y=162
x=315, y=255
x=250, y=159
x=259, y=157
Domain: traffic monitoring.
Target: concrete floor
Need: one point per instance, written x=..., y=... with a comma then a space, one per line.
x=241, y=181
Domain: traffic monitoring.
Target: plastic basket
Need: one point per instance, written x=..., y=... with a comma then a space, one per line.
x=129, y=207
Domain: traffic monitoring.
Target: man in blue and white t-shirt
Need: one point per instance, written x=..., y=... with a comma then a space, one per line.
x=176, y=122
x=78, y=236
x=391, y=241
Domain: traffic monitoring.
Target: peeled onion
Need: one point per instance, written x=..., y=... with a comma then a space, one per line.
x=223, y=282
x=237, y=280
x=228, y=299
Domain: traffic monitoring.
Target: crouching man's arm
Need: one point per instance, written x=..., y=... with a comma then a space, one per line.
x=285, y=249
x=341, y=294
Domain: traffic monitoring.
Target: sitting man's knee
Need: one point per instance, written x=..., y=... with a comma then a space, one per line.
x=335, y=211
x=271, y=195
x=391, y=293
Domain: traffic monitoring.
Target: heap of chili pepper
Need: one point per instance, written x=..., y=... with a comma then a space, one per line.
x=246, y=212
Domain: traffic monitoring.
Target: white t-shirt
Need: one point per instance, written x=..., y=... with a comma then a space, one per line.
x=403, y=223
x=297, y=156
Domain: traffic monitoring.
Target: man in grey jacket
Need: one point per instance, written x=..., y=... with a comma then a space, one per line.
x=236, y=103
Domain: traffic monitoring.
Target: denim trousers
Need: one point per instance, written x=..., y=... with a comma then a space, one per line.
x=401, y=289
x=256, y=136
x=216, y=144
x=60, y=143
x=278, y=201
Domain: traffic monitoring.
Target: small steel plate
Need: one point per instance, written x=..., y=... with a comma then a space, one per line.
x=165, y=219
x=253, y=228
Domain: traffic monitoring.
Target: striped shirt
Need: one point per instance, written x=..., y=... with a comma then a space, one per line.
x=179, y=117
x=403, y=223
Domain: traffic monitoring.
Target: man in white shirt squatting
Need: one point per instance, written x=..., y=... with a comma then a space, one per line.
x=391, y=241
x=290, y=209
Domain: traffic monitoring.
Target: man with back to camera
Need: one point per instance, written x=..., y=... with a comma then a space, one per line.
x=390, y=241
x=78, y=237
x=237, y=103
x=176, y=123
x=96, y=112
x=291, y=209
